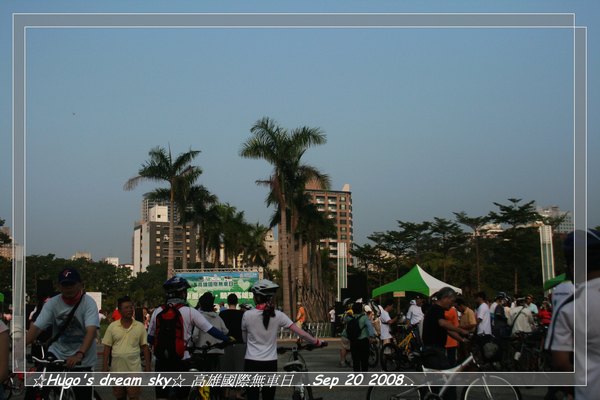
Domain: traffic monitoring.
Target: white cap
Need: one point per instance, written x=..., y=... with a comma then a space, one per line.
x=368, y=308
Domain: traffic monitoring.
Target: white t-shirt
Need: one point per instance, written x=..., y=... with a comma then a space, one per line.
x=521, y=319
x=561, y=292
x=191, y=317
x=385, y=328
x=485, y=326
x=415, y=314
x=261, y=343
x=560, y=337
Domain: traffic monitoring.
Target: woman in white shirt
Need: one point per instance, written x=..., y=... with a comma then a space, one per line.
x=260, y=326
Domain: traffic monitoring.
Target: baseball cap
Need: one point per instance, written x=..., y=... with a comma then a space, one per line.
x=68, y=275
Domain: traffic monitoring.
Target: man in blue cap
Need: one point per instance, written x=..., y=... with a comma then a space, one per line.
x=77, y=342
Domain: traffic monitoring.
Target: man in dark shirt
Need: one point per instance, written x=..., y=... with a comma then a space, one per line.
x=436, y=329
x=233, y=361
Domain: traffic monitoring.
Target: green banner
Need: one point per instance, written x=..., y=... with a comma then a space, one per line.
x=221, y=284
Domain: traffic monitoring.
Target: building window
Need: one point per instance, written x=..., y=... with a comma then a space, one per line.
x=343, y=222
x=342, y=206
x=343, y=237
x=343, y=229
x=343, y=214
x=342, y=198
x=332, y=200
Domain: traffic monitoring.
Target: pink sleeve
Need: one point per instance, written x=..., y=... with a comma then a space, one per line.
x=303, y=334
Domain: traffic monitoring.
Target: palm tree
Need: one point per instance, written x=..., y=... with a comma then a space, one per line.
x=255, y=252
x=201, y=215
x=161, y=167
x=283, y=150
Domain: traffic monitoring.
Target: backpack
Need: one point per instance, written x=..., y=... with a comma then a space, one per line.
x=353, y=329
x=169, y=342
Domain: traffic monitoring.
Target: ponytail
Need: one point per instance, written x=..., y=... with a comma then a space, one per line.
x=268, y=310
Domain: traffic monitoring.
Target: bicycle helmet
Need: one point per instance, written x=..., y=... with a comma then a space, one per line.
x=264, y=287
x=175, y=284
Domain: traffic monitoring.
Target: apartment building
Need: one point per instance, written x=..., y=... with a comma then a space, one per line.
x=151, y=240
x=337, y=204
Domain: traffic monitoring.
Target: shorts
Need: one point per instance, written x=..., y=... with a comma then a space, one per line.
x=345, y=343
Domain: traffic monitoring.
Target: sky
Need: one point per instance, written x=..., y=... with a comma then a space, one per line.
x=420, y=122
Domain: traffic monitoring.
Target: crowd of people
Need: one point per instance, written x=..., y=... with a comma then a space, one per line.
x=246, y=340
x=444, y=324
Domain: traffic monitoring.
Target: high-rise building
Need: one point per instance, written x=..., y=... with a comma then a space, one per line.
x=151, y=240
x=148, y=205
x=337, y=205
x=566, y=225
x=272, y=246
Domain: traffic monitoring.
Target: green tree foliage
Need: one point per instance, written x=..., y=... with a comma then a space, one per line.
x=282, y=149
x=4, y=238
x=178, y=173
x=479, y=259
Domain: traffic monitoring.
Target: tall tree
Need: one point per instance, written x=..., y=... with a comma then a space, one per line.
x=161, y=167
x=255, y=253
x=519, y=235
x=4, y=238
x=201, y=215
x=282, y=149
x=476, y=224
x=449, y=237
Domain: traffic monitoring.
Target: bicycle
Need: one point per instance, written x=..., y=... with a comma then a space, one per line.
x=53, y=392
x=486, y=387
x=42, y=363
x=297, y=365
x=200, y=357
x=401, y=356
x=14, y=384
x=527, y=352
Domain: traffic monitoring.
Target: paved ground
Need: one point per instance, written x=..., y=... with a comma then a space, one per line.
x=326, y=360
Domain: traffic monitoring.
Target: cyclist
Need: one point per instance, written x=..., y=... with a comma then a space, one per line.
x=260, y=326
x=435, y=333
x=176, y=295
x=73, y=316
x=387, y=321
x=568, y=320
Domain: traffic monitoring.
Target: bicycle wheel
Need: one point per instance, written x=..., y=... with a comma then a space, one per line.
x=373, y=355
x=7, y=388
x=349, y=359
x=17, y=385
x=291, y=392
x=389, y=358
x=408, y=392
x=493, y=389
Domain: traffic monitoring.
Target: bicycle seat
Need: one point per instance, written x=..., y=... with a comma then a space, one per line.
x=293, y=366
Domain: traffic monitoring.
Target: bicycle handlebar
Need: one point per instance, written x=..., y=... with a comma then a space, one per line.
x=300, y=346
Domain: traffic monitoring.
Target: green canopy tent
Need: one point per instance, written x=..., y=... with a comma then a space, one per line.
x=550, y=283
x=415, y=280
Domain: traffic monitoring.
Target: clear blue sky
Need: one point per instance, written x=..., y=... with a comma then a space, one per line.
x=420, y=122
